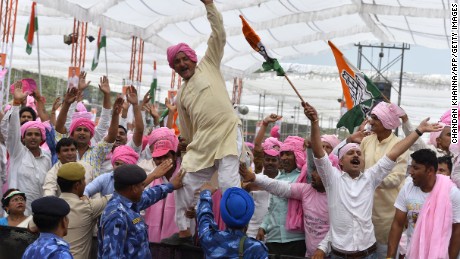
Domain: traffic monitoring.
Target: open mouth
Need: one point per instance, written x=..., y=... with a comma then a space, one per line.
x=355, y=161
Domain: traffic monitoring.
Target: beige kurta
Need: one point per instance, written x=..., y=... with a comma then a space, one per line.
x=385, y=195
x=82, y=220
x=207, y=119
x=51, y=188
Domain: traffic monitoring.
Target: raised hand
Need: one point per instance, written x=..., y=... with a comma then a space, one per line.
x=429, y=127
x=19, y=96
x=171, y=107
x=177, y=180
x=272, y=118
x=131, y=95
x=56, y=104
x=82, y=84
x=310, y=112
x=118, y=105
x=104, y=85
x=71, y=95
x=146, y=98
x=152, y=110
x=163, y=168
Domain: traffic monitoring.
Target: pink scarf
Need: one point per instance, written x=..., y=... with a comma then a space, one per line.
x=294, y=217
x=429, y=241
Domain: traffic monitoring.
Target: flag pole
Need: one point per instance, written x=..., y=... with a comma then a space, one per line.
x=293, y=87
x=106, y=65
x=38, y=54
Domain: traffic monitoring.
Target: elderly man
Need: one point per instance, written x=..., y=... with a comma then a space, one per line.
x=350, y=190
x=122, y=232
x=207, y=119
x=28, y=162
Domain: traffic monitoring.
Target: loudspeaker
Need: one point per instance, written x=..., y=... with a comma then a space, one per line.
x=384, y=87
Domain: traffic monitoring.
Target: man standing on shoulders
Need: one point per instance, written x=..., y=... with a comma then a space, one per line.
x=207, y=119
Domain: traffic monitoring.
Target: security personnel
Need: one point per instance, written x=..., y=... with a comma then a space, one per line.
x=50, y=216
x=83, y=212
x=122, y=232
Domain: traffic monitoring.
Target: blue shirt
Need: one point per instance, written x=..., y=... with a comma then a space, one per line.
x=223, y=244
x=4, y=221
x=102, y=184
x=122, y=232
x=48, y=245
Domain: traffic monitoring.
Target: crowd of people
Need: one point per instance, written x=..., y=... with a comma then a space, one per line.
x=119, y=186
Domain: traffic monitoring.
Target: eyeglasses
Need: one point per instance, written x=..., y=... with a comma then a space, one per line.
x=18, y=199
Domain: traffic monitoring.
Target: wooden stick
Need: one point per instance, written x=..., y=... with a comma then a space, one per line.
x=293, y=87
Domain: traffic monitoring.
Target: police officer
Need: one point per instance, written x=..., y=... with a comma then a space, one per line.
x=122, y=232
x=50, y=216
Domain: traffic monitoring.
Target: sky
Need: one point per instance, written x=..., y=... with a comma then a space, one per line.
x=417, y=59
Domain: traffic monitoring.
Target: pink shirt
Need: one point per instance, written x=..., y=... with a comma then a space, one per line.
x=314, y=205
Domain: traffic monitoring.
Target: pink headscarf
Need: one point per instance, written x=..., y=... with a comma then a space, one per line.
x=333, y=140
x=435, y=135
x=31, y=103
x=81, y=107
x=125, y=154
x=271, y=146
x=388, y=114
x=82, y=122
x=347, y=148
x=295, y=144
x=82, y=115
x=33, y=125
x=166, y=134
x=172, y=51
x=446, y=118
x=275, y=132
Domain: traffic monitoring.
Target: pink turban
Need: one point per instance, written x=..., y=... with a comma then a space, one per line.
x=295, y=144
x=435, y=135
x=388, y=114
x=172, y=51
x=81, y=107
x=271, y=146
x=82, y=115
x=333, y=140
x=33, y=125
x=275, y=132
x=125, y=154
x=446, y=118
x=164, y=133
x=82, y=122
x=31, y=103
x=348, y=147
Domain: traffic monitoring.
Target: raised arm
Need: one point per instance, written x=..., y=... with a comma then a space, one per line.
x=69, y=98
x=217, y=40
x=407, y=142
x=278, y=188
x=113, y=129
x=14, y=144
x=41, y=111
x=105, y=119
x=261, y=133
x=131, y=96
x=315, y=138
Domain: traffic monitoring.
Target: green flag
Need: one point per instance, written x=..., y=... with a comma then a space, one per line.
x=355, y=116
x=33, y=23
x=101, y=43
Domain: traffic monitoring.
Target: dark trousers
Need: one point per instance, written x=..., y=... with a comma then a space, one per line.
x=294, y=248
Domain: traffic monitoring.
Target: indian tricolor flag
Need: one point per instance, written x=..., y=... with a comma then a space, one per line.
x=31, y=28
x=101, y=43
x=359, y=91
x=255, y=42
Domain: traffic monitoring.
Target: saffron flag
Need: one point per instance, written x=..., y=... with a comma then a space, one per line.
x=101, y=43
x=32, y=27
x=255, y=42
x=153, y=85
x=359, y=91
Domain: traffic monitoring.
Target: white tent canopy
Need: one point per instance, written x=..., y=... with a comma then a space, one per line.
x=289, y=28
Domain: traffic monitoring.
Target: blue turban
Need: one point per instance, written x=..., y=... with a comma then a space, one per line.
x=236, y=207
